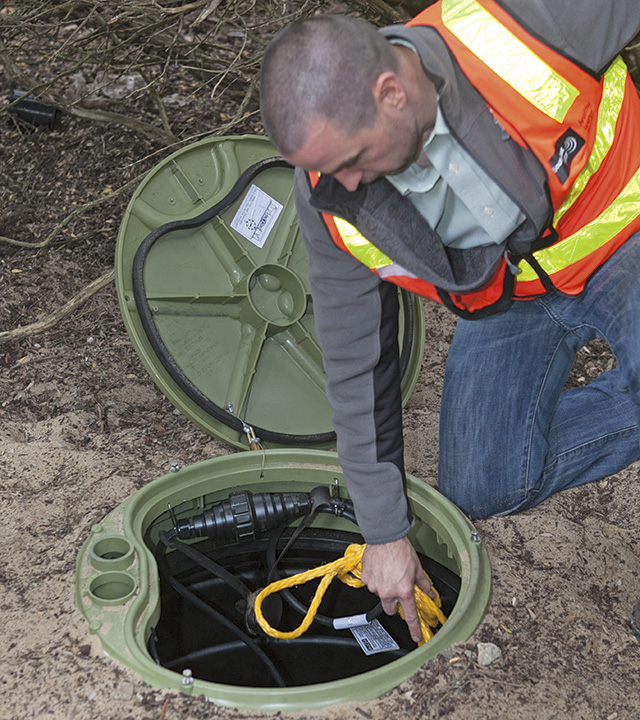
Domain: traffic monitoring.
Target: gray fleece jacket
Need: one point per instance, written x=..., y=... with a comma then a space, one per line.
x=356, y=312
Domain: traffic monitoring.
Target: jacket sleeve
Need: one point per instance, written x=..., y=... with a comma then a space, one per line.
x=356, y=316
x=589, y=32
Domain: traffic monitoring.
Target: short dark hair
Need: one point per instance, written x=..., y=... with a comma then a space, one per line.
x=324, y=66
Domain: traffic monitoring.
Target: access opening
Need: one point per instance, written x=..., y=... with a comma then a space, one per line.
x=205, y=623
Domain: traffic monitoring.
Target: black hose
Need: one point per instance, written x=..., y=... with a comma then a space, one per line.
x=167, y=360
x=160, y=349
x=165, y=540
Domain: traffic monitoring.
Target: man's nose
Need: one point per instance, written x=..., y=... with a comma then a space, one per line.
x=349, y=178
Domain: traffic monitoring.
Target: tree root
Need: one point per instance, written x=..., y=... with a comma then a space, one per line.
x=57, y=315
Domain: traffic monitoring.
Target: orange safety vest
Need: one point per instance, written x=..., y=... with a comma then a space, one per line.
x=584, y=132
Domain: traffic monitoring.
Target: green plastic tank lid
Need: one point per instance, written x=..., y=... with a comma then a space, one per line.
x=224, y=321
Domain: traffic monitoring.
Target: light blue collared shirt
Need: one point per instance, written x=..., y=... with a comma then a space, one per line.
x=455, y=196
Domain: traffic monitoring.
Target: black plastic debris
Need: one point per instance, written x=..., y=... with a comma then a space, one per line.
x=34, y=111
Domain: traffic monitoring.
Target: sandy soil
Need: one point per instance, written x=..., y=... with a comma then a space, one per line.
x=83, y=427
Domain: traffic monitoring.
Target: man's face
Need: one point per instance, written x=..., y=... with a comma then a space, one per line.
x=385, y=148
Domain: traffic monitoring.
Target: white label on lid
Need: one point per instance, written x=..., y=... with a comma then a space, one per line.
x=256, y=216
x=373, y=638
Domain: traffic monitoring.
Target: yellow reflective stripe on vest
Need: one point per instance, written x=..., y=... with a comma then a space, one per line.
x=361, y=249
x=509, y=57
x=612, y=97
x=622, y=211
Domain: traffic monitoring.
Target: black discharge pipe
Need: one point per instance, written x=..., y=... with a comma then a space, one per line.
x=244, y=516
x=168, y=361
x=33, y=110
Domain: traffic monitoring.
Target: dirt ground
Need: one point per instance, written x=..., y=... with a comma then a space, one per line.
x=83, y=427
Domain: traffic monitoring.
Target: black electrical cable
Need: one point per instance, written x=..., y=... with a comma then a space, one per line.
x=272, y=561
x=165, y=539
x=342, y=508
x=167, y=360
x=345, y=509
x=203, y=653
x=349, y=642
x=306, y=522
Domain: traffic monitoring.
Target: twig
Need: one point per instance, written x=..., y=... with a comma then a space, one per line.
x=164, y=708
x=388, y=14
x=166, y=124
x=151, y=131
x=55, y=317
x=243, y=105
x=74, y=214
x=182, y=9
x=211, y=7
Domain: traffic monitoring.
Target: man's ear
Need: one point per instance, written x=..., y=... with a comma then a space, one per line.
x=388, y=91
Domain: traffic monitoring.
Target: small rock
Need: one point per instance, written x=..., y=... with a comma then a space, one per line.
x=488, y=653
x=123, y=691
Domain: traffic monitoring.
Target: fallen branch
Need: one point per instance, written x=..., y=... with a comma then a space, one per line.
x=52, y=320
x=151, y=131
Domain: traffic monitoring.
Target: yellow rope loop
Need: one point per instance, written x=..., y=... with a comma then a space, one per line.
x=349, y=570
x=352, y=559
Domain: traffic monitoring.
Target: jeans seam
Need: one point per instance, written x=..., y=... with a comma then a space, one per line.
x=622, y=431
x=534, y=414
x=557, y=319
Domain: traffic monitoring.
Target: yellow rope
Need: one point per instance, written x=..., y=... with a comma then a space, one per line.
x=348, y=569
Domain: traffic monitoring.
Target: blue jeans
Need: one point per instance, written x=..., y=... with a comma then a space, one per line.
x=509, y=435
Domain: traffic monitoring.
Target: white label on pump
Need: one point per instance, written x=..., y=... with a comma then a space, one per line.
x=373, y=638
x=256, y=216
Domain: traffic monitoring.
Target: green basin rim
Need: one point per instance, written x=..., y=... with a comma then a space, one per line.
x=442, y=532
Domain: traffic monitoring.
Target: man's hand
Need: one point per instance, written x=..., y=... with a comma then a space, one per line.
x=391, y=570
